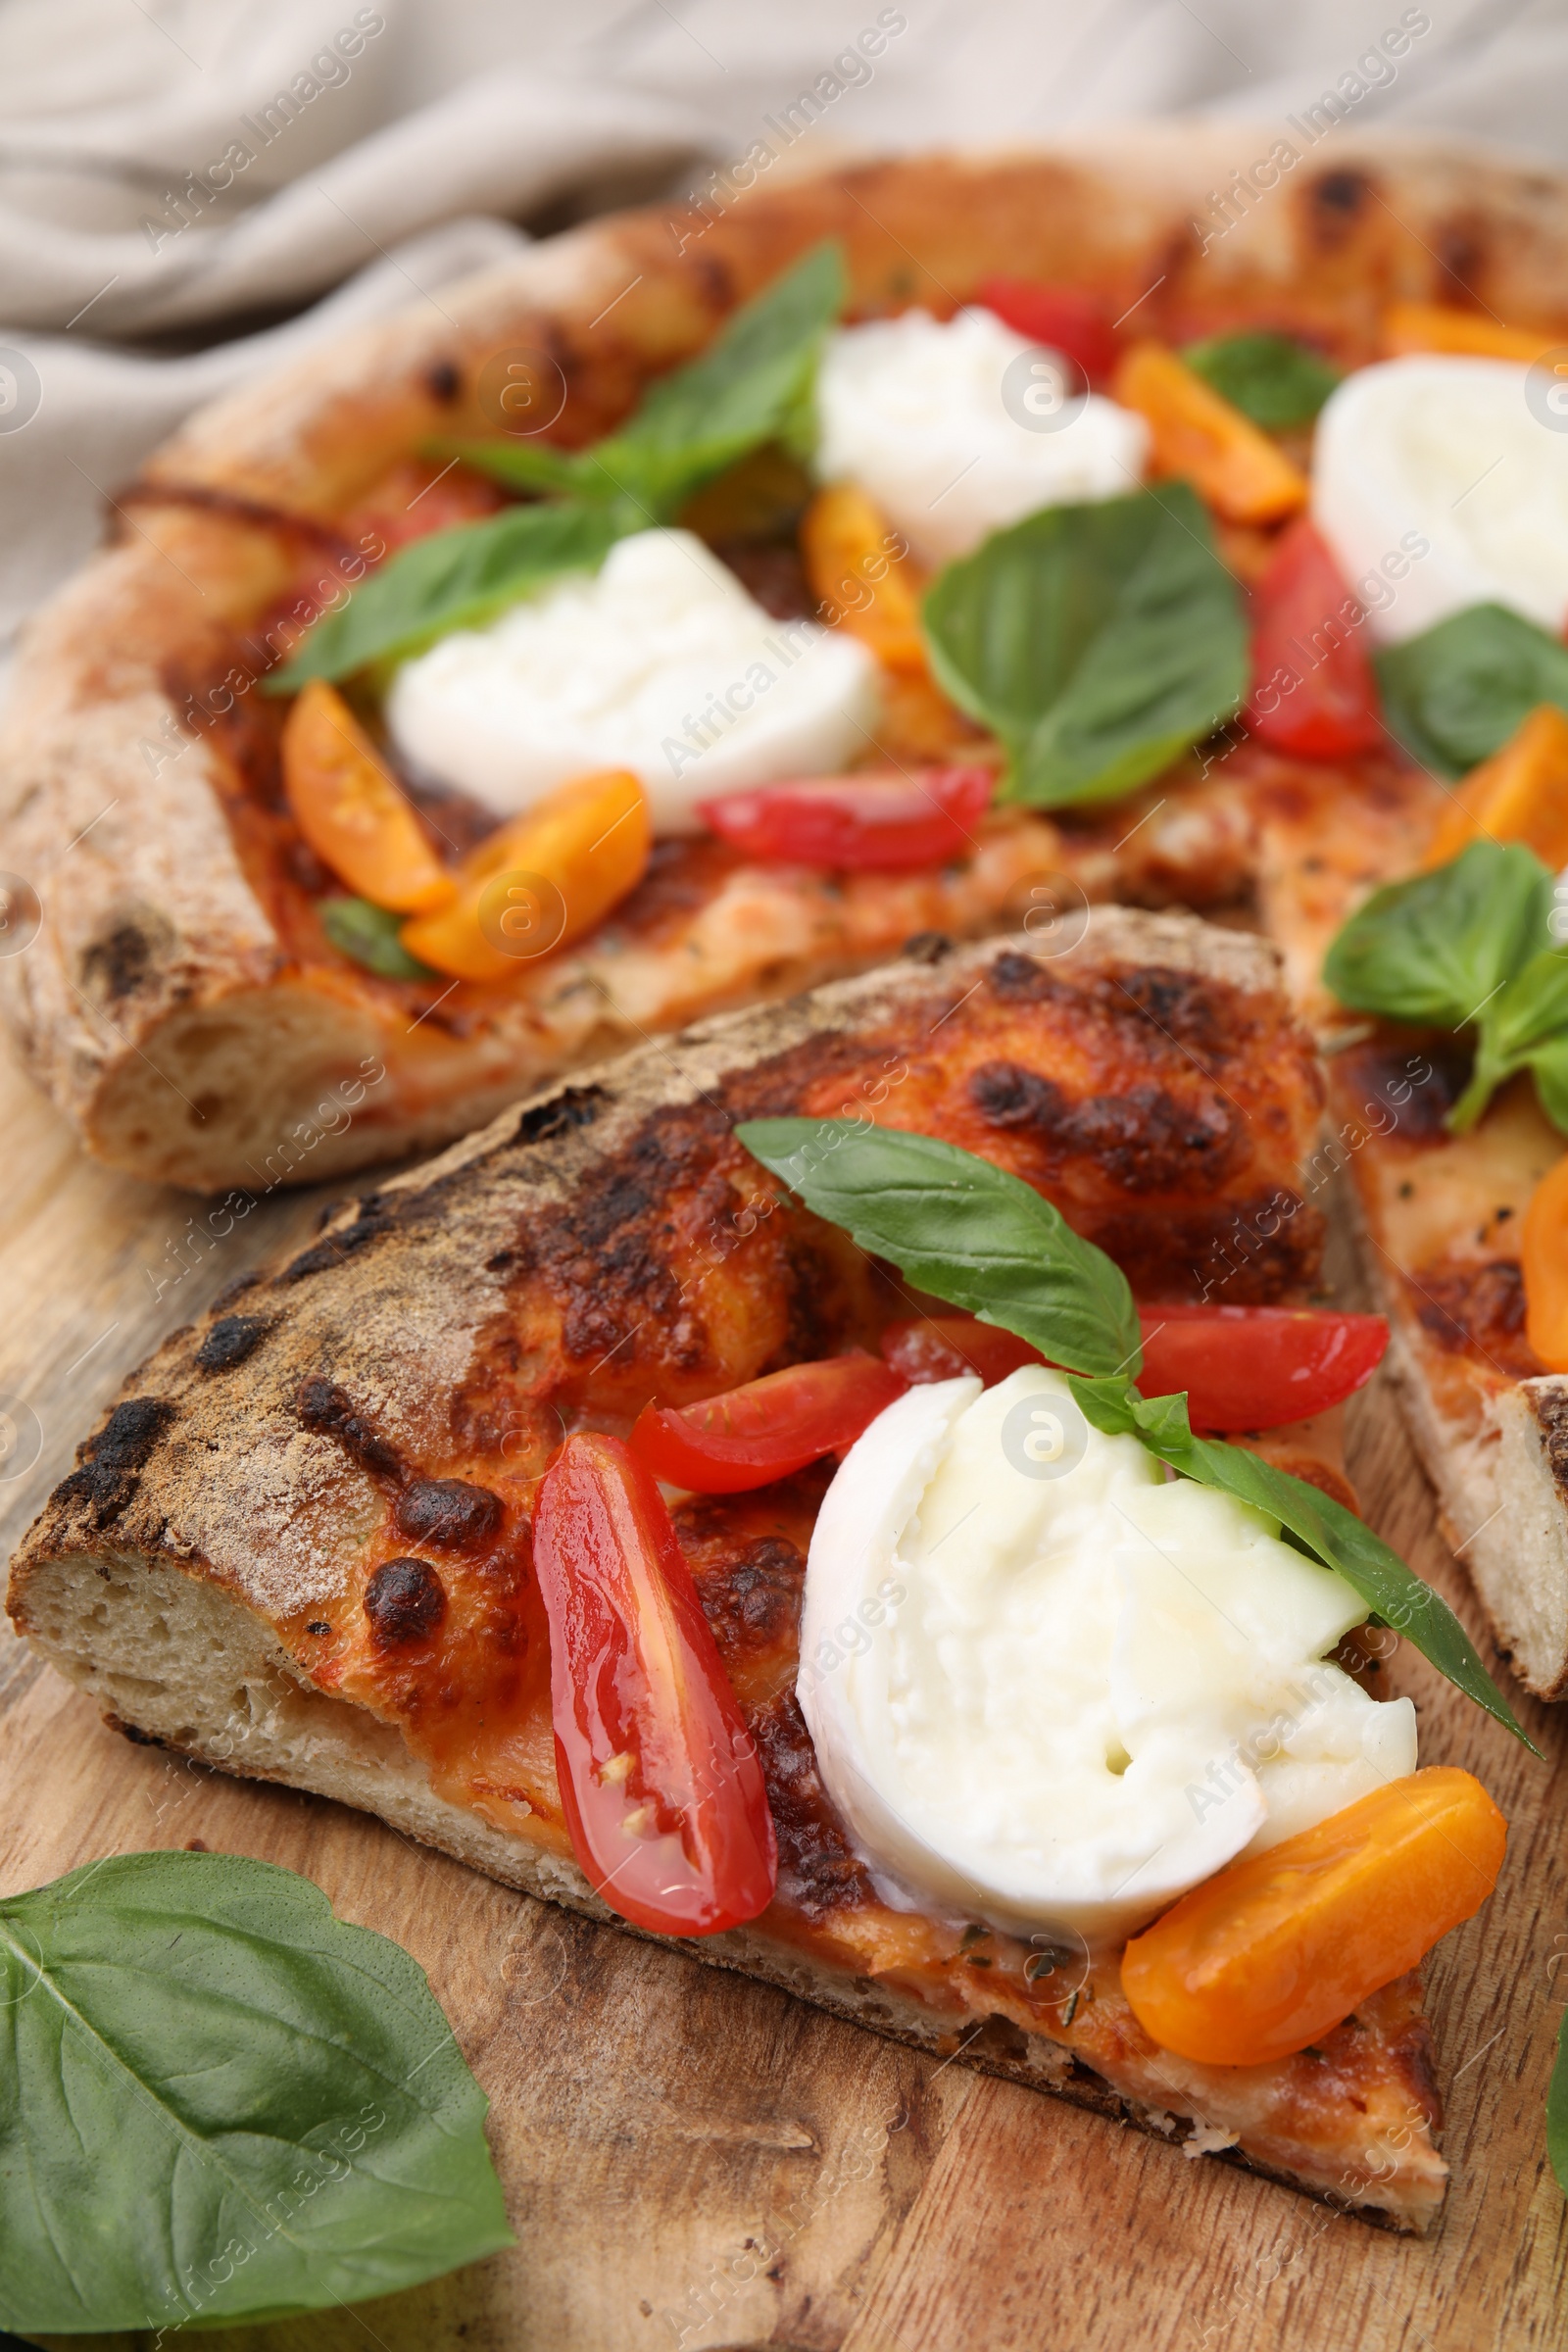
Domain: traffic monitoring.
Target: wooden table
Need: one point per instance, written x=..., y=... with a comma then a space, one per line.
x=691, y=2160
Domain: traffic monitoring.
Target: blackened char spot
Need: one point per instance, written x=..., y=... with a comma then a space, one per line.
x=328, y=1412
x=926, y=947
x=375, y=1216
x=1416, y=1086
x=1481, y=1307
x=443, y=382
x=405, y=1602
x=230, y=1340
x=111, y=1462
x=116, y=965
x=819, y=1869
x=1019, y=980
x=754, y=1601
x=447, y=1512
x=1145, y=1138
x=1342, y=192
x=1177, y=1004
x=574, y=1106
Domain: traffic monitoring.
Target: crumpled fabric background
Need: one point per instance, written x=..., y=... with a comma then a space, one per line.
x=191, y=188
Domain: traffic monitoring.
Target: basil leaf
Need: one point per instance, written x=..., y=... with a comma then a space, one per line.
x=1548, y=1066
x=1434, y=950
x=1524, y=1027
x=1557, y=2110
x=753, y=385
x=369, y=936
x=450, y=581
x=219, y=2102
x=962, y=1229
x=1099, y=641
x=1274, y=381
x=1454, y=694
x=1321, y=1526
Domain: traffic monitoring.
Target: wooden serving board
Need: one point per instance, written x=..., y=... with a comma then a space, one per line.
x=692, y=2159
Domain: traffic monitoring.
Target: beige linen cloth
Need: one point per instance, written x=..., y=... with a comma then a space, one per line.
x=191, y=191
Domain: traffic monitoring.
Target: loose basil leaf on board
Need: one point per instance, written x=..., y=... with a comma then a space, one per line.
x=1099, y=641
x=962, y=1229
x=1273, y=379
x=755, y=383
x=452, y=580
x=1434, y=950
x=1320, y=1525
x=219, y=2102
x=369, y=936
x=1557, y=2110
x=1456, y=694
x=1524, y=1027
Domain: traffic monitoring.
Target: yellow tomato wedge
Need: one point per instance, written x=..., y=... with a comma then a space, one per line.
x=541, y=881
x=1440, y=326
x=854, y=564
x=1205, y=440
x=1543, y=1261
x=351, y=811
x=1519, y=794
x=1272, y=1953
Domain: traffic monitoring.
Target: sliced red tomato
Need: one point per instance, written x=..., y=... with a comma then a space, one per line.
x=1063, y=318
x=763, y=1431
x=861, y=821
x=1256, y=1367
x=943, y=1347
x=659, y=1780
x=1313, y=691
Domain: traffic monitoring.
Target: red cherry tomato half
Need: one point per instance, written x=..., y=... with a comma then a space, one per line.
x=659, y=1780
x=860, y=821
x=1313, y=691
x=943, y=1347
x=763, y=1431
x=1069, y=321
x=1256, y=1367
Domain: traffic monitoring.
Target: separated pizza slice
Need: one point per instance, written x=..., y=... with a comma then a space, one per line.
x=314, y=1542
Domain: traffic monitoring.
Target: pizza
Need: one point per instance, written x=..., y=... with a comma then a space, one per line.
x=320, y=1538
x=702, y=610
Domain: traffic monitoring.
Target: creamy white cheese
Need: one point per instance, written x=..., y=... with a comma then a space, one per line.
x=928, y=417
x=1056, y=1702
x=1435, y=476
x=659, y=662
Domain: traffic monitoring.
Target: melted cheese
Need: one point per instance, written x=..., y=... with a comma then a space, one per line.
x=1056, y=1702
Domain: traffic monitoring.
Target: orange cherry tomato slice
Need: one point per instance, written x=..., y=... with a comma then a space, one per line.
x=1543, y=1258
x=541, y=881
x=771, y=1426
x=350, y=810
x=1272, y=1953
x=659, y=1779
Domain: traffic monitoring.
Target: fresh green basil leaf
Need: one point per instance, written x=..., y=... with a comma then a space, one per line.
x=1558, y=2109
x=452, y=580
x=369, y=936
x=219, y=2102
x=1320, y=1525
x=755, y=383
x=1436, y=949
x=958, y=1227
x=1456, y=694
x=1273, y=379
x=1548, y=1066
x=1099, y=641
x=1524, y=1027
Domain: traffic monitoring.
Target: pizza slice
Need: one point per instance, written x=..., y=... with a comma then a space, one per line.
x=313, y=1541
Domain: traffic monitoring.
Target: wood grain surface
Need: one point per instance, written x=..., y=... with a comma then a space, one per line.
x=692, y=2159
